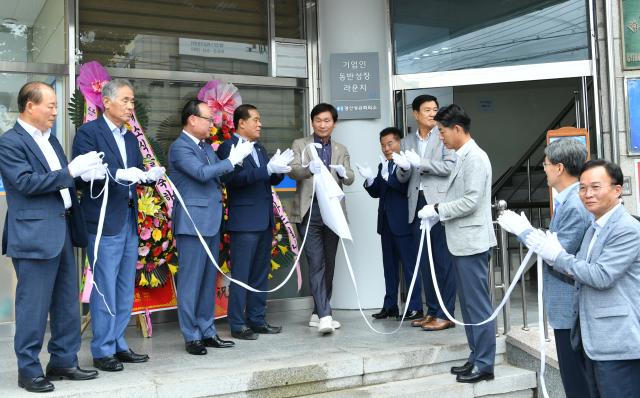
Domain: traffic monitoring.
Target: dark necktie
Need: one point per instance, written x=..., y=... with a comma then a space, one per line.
x=390, y=167
x=201, y=144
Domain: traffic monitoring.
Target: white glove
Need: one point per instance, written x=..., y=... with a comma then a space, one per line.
x=98, y=173
x=429, y=216
x=132, y=174
x=546, y=245
x=514, y=223
x=340, y=170
x=413, y=158
x=240, y=151
x=154, y=173
x=401, y=160
x=84, y=163
x=315, y=166
x=366, y=173
x=287, y=156
x=277, y=164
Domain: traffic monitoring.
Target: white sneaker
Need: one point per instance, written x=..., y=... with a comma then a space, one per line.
x=314, y=321
x=325, y=325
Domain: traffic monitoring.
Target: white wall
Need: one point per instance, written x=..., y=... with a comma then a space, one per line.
x=344, y=27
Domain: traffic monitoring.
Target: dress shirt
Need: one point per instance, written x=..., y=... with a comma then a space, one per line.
x=254, y=154
x=561, y=197
x=597, y=226
x=388, y=166
x=42, y=139
x=423, y=143
x=118, y=135
x=199, y=143
x=324, y=152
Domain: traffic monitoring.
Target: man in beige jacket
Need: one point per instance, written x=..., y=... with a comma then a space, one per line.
x=322, y=242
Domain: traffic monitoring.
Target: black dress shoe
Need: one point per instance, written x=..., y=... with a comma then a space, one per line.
x=217, y=342
x=131, y=357
x=462, y=370
x=108, y=364
x=195, y=347
x=411, y=315
x=474, y=376
x=76, y=373
x=244, y=334
x=267, y=329
x=35, y=384
x=386, y=313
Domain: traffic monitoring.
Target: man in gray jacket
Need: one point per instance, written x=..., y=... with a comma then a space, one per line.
x=466, y=213
x=427, y=165
x=562, y=164
x=607, y=274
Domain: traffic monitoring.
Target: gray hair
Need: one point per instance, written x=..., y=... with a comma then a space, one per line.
x=110, y=90
x=568, y=151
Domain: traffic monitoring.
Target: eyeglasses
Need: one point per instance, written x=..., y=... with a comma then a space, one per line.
x=595, y=188
x=206, y=118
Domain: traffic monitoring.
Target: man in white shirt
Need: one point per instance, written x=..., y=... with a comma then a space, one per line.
x=43, y=224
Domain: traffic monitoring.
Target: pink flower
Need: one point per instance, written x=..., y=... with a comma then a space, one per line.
x=145, y=233
x=90, y=81
x=139, y=265
x=165, y=245
x=156, y=222
x=143, y=251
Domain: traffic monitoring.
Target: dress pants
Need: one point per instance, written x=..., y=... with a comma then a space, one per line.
x=47, y=287
x=196, y=286
x=320, y=250
x=114, y=274
x=472, y=278
x=250, y=263
x=612, y=379
x=570, y=364
x=398, y=249
x=443, y=266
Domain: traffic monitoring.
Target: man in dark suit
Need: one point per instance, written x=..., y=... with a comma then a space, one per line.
x=251, y=224
x=393, y=227
x=115, y=267
x=43, y=224
x=195, y=170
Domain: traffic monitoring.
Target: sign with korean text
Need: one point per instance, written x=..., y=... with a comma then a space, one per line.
x=223, y=49
x=630, y=10
x=355, y=85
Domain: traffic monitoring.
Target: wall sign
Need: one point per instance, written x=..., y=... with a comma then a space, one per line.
x=632, y=93
x=355, y=85
x=630, y=10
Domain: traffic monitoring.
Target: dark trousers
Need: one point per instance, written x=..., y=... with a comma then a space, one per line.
x=196, y=287
x=47, y=287
x=250, y=263
x=320, y=250
x=612, y=379
x=571, y=370
x=443, y=266
x=472, y=278
x=398, y=249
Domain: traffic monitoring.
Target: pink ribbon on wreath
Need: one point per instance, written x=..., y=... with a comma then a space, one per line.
x=223, y=99
x=91, y=79
x=293, y=242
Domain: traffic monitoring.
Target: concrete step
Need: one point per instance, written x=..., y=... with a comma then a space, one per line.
x=509, y=382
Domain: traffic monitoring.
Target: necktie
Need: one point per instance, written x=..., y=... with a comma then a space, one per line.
x=390, y=167
x=556, y=205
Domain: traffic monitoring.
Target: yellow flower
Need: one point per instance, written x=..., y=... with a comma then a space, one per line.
x=283, y=249
x=147, y=206
x=143, y=280
x=269, y=276
x=225, y=268
x=169, y=235
x=274, y=265
x=155, y=282
x=173, y=269
x=214, y=130
x=156, y=234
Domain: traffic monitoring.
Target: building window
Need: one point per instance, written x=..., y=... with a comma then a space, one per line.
x=221, y=36
x=33, y=31
x=443, y=35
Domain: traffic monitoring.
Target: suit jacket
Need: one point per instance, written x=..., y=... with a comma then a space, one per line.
x=249, y=191
x=392, y=202
x=433, y=173
x=608, y=284
x=466, y=210
x=302, y=198
x=197, y=179
x=35, y=226
x=570, y=222
x=96, y=136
